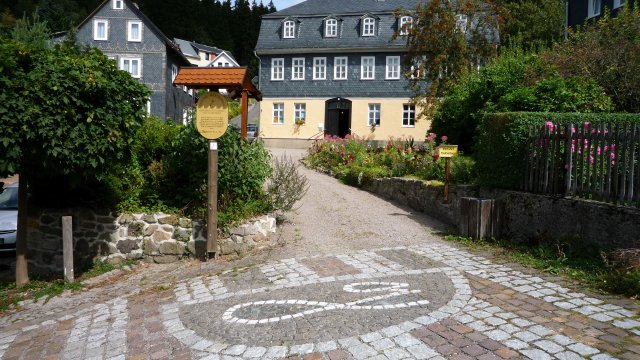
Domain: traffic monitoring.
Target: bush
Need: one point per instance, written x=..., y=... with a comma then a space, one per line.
x=513, y=82
x=607, y=51
x=359, y=176
x=501, y=151
x=463, y=170
x=286, y=185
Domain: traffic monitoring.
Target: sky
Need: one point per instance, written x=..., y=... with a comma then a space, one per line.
x=282, y=4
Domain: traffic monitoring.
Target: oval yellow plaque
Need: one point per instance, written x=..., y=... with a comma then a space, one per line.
x=212, y=115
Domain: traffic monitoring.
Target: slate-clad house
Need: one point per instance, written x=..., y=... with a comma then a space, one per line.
x=125, y=34
x=580, y=10
x=205, y=55
x=332, y=65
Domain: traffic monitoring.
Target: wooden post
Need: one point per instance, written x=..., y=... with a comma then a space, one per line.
x=22, y=271
x=67, y=247
x=245, y=112
x=212, y=200
x=447, y=172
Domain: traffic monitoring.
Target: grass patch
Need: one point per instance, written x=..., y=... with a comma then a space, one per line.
x=37, y=288
x=568, y=258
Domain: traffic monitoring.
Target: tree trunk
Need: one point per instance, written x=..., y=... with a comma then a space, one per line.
x=22, y=272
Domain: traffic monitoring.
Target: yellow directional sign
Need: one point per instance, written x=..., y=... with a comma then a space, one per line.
x=447, y=151
x=212, y=115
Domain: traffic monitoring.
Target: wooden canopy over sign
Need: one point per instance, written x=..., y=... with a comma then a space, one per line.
x=234, y=79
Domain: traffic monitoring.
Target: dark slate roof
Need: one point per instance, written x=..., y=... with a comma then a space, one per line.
x=211, y=49
x=186, y=48
x=309, y=16
x=329, y=7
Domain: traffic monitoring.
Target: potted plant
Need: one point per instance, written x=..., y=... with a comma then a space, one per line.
x=299, y=121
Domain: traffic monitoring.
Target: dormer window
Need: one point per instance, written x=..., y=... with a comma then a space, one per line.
x=368, y=26
x=117, y=4
x=331, y=28
x=289, y=29
x=404, y=24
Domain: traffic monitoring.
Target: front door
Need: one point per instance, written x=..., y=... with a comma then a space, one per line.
x=337, y=117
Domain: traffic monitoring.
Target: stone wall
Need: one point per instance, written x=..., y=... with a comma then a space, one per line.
x=112, y=237
x=523, y=216
x=418, y=196
x=528, y=217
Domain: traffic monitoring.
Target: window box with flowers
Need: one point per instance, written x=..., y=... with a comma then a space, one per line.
x=300, y=114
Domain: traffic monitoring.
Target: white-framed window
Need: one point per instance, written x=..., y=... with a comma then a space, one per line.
x=404, y=25
x=392, y=70
x=594, y=7
x=300, y=113
x=297, y=69
x=408, y=115
x=618, y=3
x=340, y=68
x=206, y=55
x=319, y=68
x=132, y=65
x=117, y=4
x=374, y=115
x=100, y=29
x=134, y=31
x=368, y=68
x=174, y=73
x=277, y=69
x=278, y=113
x=368, y=26
x=461, y=22
x=331, y=28
x=289, y=29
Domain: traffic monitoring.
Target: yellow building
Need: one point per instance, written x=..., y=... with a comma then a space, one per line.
x=333, y=68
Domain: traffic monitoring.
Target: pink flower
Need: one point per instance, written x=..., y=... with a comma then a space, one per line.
x=444, y=138
x=549, y=124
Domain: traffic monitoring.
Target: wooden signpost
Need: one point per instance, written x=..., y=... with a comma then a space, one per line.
x=212, y=120
x=447, y=152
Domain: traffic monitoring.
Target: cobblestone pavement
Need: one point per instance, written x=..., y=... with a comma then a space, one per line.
x=384, y=287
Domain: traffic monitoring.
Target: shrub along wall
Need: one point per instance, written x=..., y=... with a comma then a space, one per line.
x=501, y=148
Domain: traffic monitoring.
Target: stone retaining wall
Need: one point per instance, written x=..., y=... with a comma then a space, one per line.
x=113, y=237
x=523, y=216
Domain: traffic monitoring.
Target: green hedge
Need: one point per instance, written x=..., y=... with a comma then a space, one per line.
x=502, y=138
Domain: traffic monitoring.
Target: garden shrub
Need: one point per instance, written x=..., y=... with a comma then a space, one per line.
x=607, y=51
x=515, y=81
x=502, y=142
x=359, y=175
x=463, y=170
x=286, y=185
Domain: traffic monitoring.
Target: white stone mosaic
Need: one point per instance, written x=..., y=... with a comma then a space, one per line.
x=389, y=341
x=392, y=289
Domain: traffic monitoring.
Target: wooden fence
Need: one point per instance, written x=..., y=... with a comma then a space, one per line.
x=597, y=162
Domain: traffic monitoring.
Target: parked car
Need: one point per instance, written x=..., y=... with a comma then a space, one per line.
x=8, y=217
x=252, y=131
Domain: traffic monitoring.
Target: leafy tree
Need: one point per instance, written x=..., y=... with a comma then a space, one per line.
x=607, y=51
x=447, y=40
x=63, y=111
x=532, y=23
